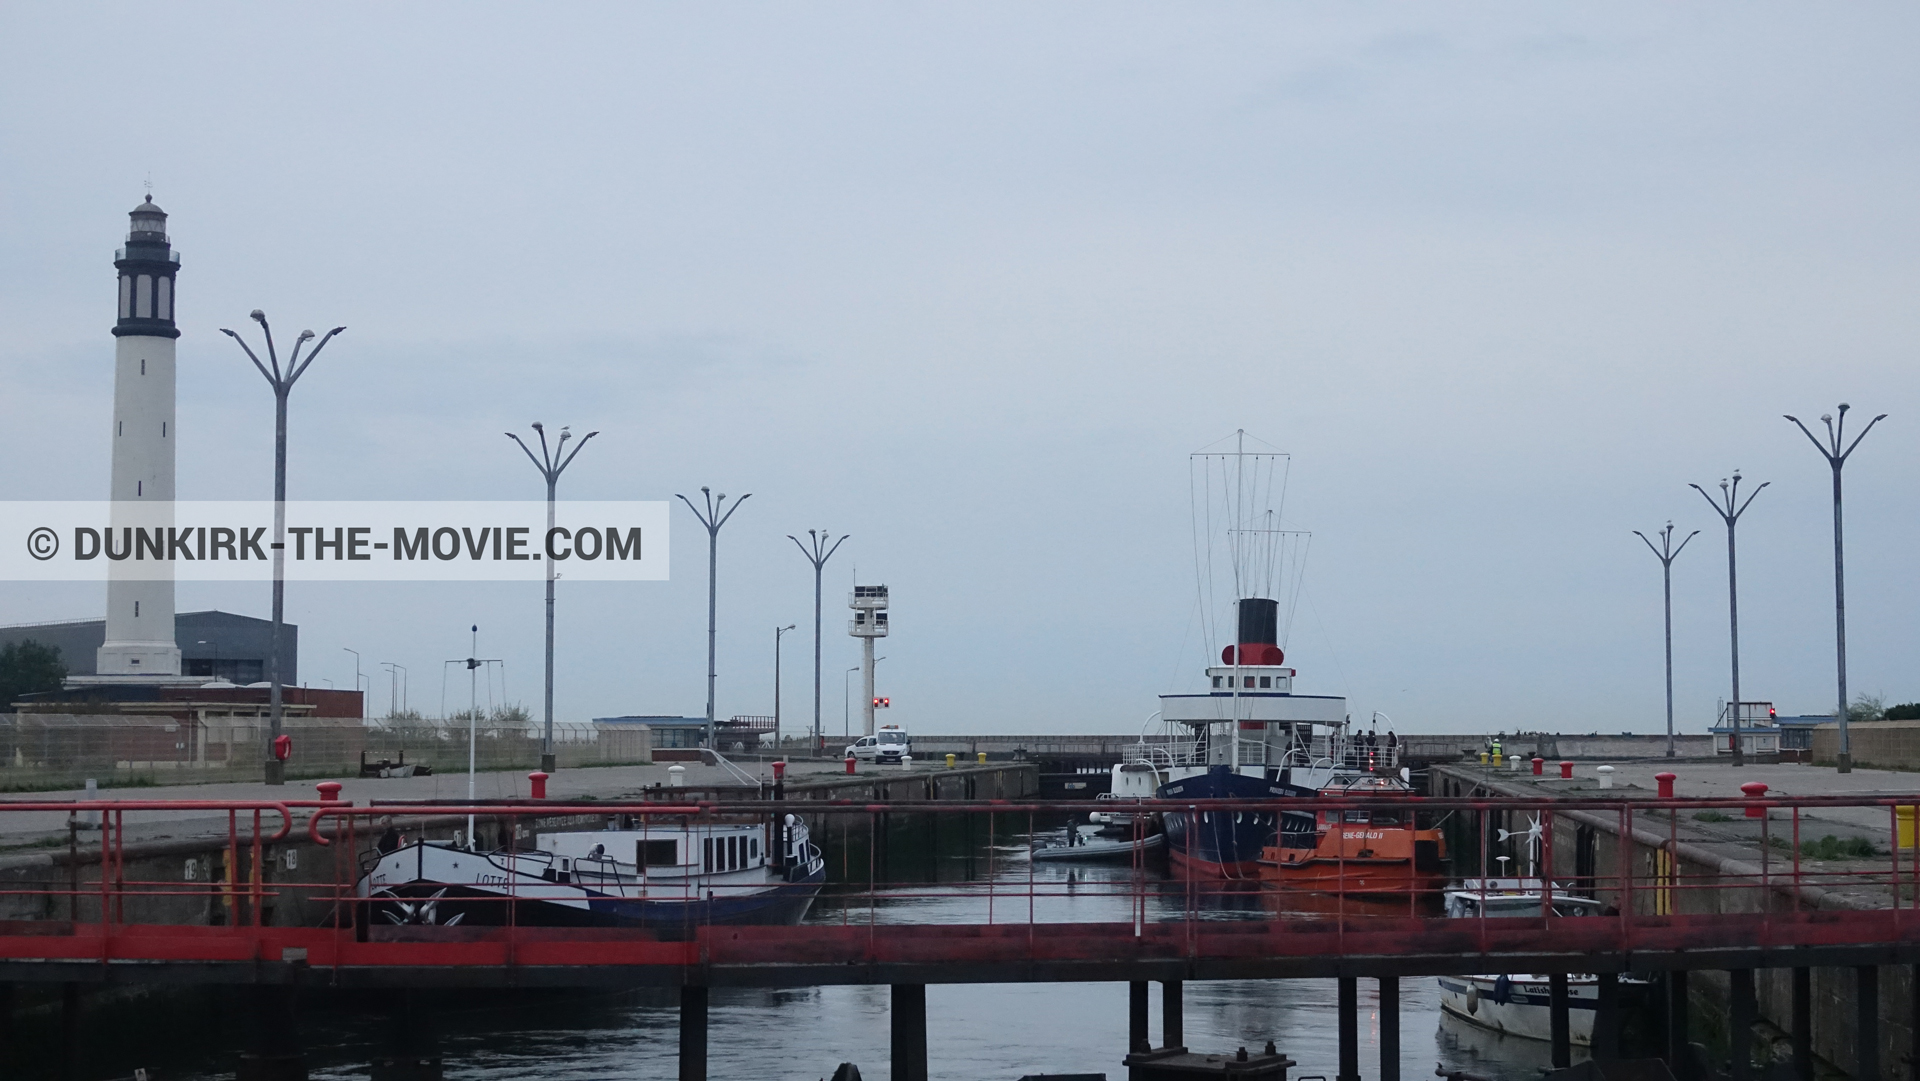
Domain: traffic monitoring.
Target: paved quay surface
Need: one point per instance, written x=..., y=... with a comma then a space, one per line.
x=1729, y=835
x=1720, y=780
x=22, y=829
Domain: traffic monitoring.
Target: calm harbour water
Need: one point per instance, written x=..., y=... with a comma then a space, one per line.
x=998, y=1031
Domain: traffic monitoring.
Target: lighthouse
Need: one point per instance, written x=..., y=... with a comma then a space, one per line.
x=139, y=633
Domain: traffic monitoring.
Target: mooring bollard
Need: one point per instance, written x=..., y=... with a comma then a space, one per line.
x=850, y=764
x=1665, y=781
x=906, y=762
x=1513, y=763
x=1566, y=771
x=1755, y=790
x=983, y=758
x=1538, y=765
x=1483, y=758
x=329, y=791
x=951, y=760
x=780, y=770
x=538, y=781
x=1903, y=826
x=676, y=776
x=1606, y=775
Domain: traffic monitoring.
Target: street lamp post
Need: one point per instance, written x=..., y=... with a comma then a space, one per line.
x=716, y=516
x=550, y=463
x=282, y=381
x=1730, y=509
x=817, y=554
x=397, y=675
x=1836, y=458
x=356, y=678
x=1666, y=554
x=846, y=699
x=777, y=632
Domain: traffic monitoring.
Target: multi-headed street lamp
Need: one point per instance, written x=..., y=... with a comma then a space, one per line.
x=1666, y=554
x=281, y=380
x=716, y=515
x=1730, y=509
x=1837, y=458
x=817, y=552
x=551, y=463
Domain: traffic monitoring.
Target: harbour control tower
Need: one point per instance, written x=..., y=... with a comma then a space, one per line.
x=139, y=633
x=869, y=604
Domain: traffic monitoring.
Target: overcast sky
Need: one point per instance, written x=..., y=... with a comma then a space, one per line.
x=970, y=282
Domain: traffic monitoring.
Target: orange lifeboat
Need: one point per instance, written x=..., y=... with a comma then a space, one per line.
x=1381, y=851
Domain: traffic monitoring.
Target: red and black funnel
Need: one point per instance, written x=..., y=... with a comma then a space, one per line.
x=1259, y=633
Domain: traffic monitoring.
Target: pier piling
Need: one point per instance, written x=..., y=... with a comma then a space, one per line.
x=909, y=1017
x=69, y=1032
x=693, y=1033
x=1389, y=1028
x=1172, y=1015
x=1137, y=1038
x=274, y=1054
x=412, y=1051
x=1349, y=1009
x=1679, y=1055
x=1606, y=1017
x=1803, y=1024
x=1867, y=1021
x=1913, y=1020
x=1743, y=1011
x=1560, y=1032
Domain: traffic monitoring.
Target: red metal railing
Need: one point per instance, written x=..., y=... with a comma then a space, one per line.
x=1662, y=889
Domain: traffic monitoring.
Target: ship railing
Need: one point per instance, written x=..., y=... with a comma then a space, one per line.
x=1163, y=754
x=1252, y=753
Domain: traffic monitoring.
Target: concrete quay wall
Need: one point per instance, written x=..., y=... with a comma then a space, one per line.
x=1875, y=744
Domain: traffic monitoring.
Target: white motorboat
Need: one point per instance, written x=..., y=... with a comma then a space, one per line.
x=1097, y=843
x=1521, y=1005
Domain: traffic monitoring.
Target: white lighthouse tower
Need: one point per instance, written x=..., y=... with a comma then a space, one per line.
x=139, y=638
x=869, y=604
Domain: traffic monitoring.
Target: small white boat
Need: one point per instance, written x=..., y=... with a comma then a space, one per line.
x=1521, y=1005
x=1093, y=843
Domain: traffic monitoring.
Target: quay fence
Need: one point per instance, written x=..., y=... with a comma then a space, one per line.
x=42, y=752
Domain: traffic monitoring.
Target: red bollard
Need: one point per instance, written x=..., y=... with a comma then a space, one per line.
x=539, y=782
x=850, y=762
x=1755, y=790
x=1566, y=771
x=329, y=791
x=1538, y=763
x=1666, y=784
x=779, y=770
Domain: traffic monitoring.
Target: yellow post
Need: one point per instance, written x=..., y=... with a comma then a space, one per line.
x=1903, y=826
x=951, y=759
x=1496, y=760
x=1483, y=758
x=983, y=758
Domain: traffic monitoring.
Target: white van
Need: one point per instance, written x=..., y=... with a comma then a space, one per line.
x=886, y=745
